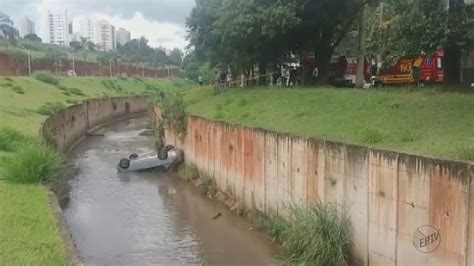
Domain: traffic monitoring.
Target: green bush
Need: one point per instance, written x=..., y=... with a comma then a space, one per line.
x=47, y=78
x=70, y=101
x=62, y=87
x=50, y=108
x=174, y=115
x=76, y=91
x=32, y=163
x=6, y=85
x=319, y=234
x=18, y=90
x=188, y=172
x=11, y=140
x=274, y=225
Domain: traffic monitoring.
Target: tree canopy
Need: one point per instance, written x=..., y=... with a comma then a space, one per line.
x=245, y=33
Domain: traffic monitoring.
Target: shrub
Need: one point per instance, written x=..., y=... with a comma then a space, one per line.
x=319, y=235
x=274, y=225
x=32, y=163
x=50, y=108
x=47, y=78
x=11, y=140
x=70, y=101
x=174, y=116
x=61, y=87
x=18, y=90
x=466, y=154
x=372, y=136
x=122, y=77
x=6, y=85
x=188, y=172
x=207, y=185
x=8, y=79
x=76, y=91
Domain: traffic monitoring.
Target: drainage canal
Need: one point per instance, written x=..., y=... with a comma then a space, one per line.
x=150, y=218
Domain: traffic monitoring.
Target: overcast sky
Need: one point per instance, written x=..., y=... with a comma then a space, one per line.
x=160, y=21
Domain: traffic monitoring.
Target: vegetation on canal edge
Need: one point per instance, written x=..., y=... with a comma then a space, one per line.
x=320, y=234
x=426, y=121
x=28, y=232
x=32, y=163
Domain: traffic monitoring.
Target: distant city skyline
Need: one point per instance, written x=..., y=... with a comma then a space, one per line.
x=162, y=22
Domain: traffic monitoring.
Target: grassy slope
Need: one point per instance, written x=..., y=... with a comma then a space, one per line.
x=28, y=235
x=426, y=122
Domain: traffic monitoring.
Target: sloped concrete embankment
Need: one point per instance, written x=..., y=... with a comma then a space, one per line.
x=69, y=126
x=389, y=195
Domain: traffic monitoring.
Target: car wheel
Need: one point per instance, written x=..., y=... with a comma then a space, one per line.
x=124, y=163
x=162, y=154
x=169, y=148
x=133, y=156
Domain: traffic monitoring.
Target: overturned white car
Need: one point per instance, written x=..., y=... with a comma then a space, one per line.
x=166, y=158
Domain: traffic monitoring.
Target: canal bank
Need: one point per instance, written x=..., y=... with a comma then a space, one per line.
x=150, y=218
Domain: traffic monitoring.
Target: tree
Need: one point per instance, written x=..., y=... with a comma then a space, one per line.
x=6, y=27
x=75, y=45
x=265, y=32
x=90, y=46
x=32, y=37
x=176, y=57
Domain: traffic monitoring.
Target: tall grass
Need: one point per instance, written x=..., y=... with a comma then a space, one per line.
x=32, y=163
x=188, y=172
x=50, y=108
x=47, y=78
x=320, y=234
x=12, y=140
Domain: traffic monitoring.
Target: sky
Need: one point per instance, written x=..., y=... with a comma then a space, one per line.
x=162, y=22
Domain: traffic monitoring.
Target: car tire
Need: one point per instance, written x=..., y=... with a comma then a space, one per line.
x=169, y=148
x=163, y=154
x=124, y=163
x=133, y=156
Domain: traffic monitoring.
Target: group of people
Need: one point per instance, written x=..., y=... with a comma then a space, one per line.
x=289, y=76
x=222, y=79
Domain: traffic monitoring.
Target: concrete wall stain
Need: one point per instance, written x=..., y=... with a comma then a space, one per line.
x=388, y=194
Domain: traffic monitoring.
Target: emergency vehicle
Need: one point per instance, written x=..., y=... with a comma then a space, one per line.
x=414, y=69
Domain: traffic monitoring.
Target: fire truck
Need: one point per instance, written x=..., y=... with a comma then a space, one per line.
x=414, y=69
x=343, y=70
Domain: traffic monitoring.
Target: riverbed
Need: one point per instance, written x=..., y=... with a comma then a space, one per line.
x=150, y=218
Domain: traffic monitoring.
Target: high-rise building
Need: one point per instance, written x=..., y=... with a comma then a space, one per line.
x=106, y=40
x=26, y=27
x=88, y=30
x=123, y=36
x=59, y=28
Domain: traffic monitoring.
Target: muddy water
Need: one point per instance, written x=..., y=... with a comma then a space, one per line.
x=150, y=218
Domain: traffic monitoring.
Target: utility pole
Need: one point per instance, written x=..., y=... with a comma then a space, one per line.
x=360, y=80
x=379, y=56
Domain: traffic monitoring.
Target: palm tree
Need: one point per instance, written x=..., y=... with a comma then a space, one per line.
x=6, y=27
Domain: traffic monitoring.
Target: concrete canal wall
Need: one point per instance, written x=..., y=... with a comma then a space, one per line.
x=70, y=125
x=389, y=195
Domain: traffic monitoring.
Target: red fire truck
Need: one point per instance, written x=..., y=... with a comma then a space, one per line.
x=414, y=69
x=343, y=71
